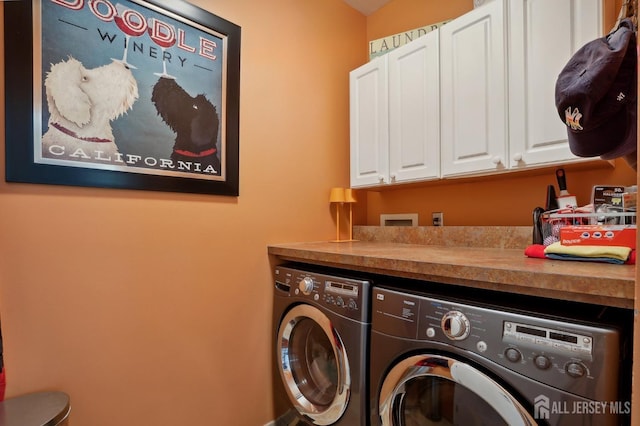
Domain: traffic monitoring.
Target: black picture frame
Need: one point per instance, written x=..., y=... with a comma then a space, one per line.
x=26, y=97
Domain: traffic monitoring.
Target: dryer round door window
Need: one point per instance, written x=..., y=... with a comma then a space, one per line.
x=314, y=365
x=438, y=390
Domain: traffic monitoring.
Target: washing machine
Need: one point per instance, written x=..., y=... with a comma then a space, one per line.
x=444, y=360
x=321, y=331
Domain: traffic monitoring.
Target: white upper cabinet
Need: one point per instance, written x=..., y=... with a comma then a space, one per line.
x=414, y=110
x=475, y=97
x=395, y=119
x=474, y=91
x=543, y=35
x=369, y=120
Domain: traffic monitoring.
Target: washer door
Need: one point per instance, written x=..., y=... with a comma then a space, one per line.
x=313, y=364
x=438, y=390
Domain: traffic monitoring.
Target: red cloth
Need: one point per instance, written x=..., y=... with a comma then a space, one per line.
x=632, y=258
x=537, y=250
x=3, y=384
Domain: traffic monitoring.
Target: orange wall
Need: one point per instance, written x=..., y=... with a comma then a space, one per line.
x=155, y=308
x=402, y=15
x=497, y=200
x=500, y=200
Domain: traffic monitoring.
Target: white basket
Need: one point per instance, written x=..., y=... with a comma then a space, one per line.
x=553, y=220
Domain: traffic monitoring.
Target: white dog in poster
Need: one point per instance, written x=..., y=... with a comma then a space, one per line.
x=82, y=103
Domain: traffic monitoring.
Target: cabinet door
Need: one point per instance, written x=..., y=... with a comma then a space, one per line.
x=543, y=35
x=369, y=120
x=414, y=110
x=473, y=95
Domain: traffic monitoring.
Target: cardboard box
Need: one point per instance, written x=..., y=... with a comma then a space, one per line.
x=599, y=235
x=611, y=199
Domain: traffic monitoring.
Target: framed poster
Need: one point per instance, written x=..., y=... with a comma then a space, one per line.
x=140, y=94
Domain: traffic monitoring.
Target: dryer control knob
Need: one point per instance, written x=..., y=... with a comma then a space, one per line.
x=512, y=354
x=575, y=369
x=542, y=362
x=455, y=325
x=306, y=285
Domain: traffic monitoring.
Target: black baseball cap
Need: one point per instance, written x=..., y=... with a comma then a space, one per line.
x=596, y=95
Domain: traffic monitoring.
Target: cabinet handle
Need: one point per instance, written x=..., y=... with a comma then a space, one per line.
x=496, y=160
x=381, y=178
x=517, y=157
x=393, y=178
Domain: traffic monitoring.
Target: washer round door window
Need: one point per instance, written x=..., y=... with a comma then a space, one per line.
x=314, y=364
x=438, y=390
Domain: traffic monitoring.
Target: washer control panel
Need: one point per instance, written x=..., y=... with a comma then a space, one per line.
x=345, y=296
x=575, y=356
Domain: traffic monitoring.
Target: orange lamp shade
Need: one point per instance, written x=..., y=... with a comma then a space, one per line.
x=349, y=196
x=337, y=195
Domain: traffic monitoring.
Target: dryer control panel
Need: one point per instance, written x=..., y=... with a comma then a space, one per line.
x=575, y=356
x=547, y=339
x=342, y=295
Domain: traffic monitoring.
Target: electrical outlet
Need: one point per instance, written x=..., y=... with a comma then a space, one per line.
x=437, y=218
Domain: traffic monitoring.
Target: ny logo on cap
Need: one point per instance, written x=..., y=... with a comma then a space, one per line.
x=572, y=118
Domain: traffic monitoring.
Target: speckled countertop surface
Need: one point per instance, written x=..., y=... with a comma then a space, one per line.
x=483, y=257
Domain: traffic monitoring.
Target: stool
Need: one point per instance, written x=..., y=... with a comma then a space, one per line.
x=36, y=409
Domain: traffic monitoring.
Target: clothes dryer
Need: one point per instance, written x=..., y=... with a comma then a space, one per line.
x=440, y=360
x=321, y=330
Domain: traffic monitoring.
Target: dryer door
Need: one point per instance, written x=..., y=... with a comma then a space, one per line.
x=433, y=389
x=313, y=364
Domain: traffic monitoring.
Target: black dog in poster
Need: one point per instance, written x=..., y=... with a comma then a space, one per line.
x=194, y=120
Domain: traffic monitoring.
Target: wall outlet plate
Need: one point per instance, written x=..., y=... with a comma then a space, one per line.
x=437, y=218
x=407, y=219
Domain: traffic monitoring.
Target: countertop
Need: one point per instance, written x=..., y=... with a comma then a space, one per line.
x=490, y=258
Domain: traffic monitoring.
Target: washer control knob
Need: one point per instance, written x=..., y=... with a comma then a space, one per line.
x=306, y=285
x=455, y=325
x=542, y=362
x=512, y=354
x=575, y=369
